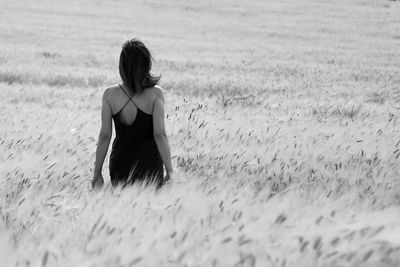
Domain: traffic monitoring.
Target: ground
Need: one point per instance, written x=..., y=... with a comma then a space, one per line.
x=282, y=118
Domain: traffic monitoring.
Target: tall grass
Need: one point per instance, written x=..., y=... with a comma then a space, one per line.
x=282, y=118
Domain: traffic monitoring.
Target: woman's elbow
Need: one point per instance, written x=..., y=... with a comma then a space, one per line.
x=160, y=135
x=104, y=137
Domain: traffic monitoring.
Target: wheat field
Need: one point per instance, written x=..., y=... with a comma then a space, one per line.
x=283, y=120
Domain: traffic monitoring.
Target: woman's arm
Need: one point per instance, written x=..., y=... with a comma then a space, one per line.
x=160, y=134
x=104, y=141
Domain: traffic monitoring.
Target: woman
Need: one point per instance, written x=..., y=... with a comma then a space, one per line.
x=136, y=106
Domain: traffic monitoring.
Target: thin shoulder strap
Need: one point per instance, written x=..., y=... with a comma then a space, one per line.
x=130, y=98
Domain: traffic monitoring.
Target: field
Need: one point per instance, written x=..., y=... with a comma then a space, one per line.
x=283, y=119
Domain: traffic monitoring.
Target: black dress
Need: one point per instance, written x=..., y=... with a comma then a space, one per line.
x=134, y=155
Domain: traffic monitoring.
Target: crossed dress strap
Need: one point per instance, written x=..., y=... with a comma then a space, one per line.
x=130, y=99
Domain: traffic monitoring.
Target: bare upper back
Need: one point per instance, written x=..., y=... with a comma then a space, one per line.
x=117, y=98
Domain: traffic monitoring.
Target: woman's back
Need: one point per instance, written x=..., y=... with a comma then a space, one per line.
x=118, y=98
x=134, y=154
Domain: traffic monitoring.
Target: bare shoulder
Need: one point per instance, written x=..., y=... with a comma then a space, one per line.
x=156, y=92
x=109, y=92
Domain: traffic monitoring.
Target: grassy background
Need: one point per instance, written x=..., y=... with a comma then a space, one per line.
x=283, y=124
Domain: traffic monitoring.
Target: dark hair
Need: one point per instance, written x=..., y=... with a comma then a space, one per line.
x=135, y=65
